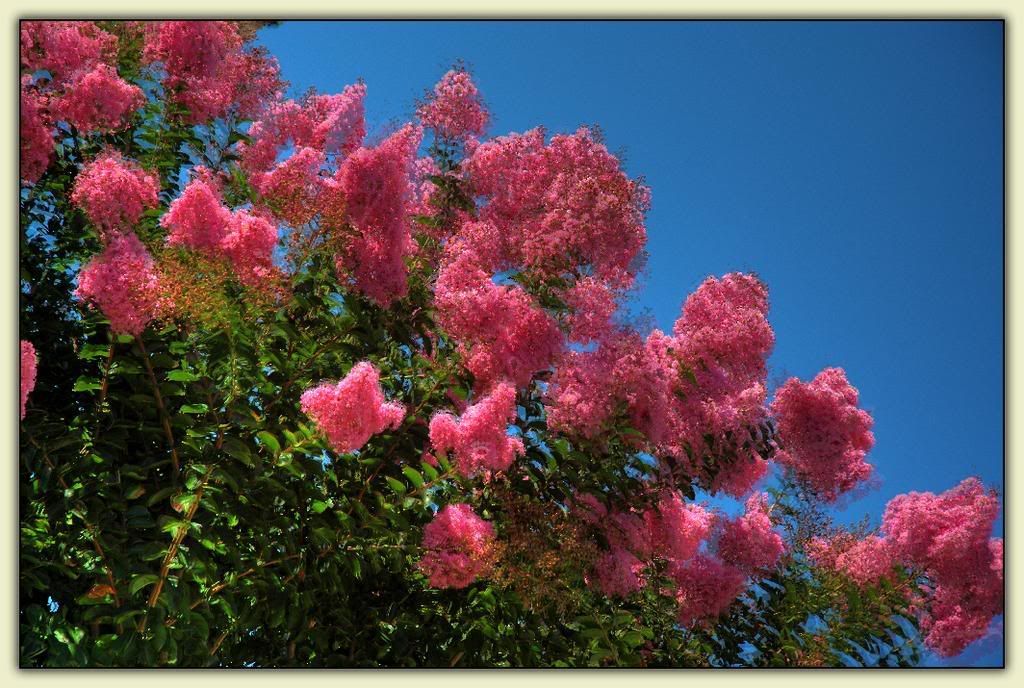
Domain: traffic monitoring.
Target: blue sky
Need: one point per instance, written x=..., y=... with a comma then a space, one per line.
x=855, y=166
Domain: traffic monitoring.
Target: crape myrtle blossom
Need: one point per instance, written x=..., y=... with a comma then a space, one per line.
x=206, y=69
x=459, y=547
x=28, y=372
x=947, y=539
x=113, y=192
x=561, y=207
x=502, y=333
x=479, y=439
x=123, y=283
x=748, y=542
x=351, y=411
x=706, y=587
x=705, y=379
x=948, y=536
x=454, y=110
x=371, y=194
x=198, y=220
x=98, y=101
x=720, y=346
x=589, y=385
x=333, y=124
x=824, y=435
x=249, y=242
x=291, y=188
x=64, y=48
x=36, y=135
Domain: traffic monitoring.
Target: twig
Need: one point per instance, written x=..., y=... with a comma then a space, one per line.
x=162, y=409
x=172, y=552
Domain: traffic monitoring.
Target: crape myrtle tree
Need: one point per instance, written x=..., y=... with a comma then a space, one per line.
x=294, y=396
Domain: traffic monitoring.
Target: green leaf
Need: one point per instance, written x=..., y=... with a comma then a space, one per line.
x=182, y=376
x=194, y=408
x=236, y=448
x=269, y=441
x=396, y=486
x=141, y=581
x=413, y=475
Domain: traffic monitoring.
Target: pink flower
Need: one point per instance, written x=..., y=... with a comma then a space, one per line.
x=677, y=528
x=592, y=304
x=352, y=410
x=331, y=124
x=824, y=436
x=123, y=283
x=28, y=373
x=706, y=588
x=249, y=244
x=114, y=192
x=748, y=542
x=207, y=71
x=455, y=110
x=99, y=101
x=197, y=218
x=190, y=49
x=374, y=183
x=291, y=188
x=459, y=547
x=36, y=136
x=502, y=334
x=741, y=476
x=724, y=328
x=934, y=530
x=867, y=561
x=561, y=207
x=479, y=438
x=589, y=386
x=618, y=573
x=65, y=47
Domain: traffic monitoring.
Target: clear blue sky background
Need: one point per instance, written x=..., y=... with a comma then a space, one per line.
x=855, y=166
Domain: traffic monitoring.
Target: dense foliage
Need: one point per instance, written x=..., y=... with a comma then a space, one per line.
x=296, y=397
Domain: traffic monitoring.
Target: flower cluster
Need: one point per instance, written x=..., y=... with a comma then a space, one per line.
x=123, y=283
x=948, y=536
x=479, y=438
x=197, y=219
x=207, y=71
x=290, y=190
x=561, y=206
x=36, y=135
x=28, y=372
x=749, y=543
x=65, y=48
x=501, y=332
x=707, y=379
x=99, y=101
x=455, y=110
x=114, y=192
x=69, y=76
x=824, y=435
x=353, y=410
x=705, y=588
x=374, y=184
x=330, y=123
x=459, y=547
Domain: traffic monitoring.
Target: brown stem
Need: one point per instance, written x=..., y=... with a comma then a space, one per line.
x=217, y=643
x=88, y=526
x=172, y=552
x=223, y=584
x=162, y=409
x=106, y=373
